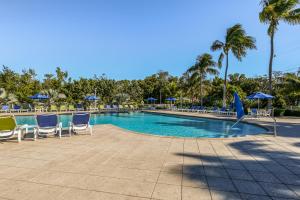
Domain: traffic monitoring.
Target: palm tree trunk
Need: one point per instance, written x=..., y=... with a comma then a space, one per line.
x=225, y=82
x=201, y=97
x=271, y=66
x=160, y=96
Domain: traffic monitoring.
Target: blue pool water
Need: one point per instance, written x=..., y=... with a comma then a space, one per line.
x=164, y=125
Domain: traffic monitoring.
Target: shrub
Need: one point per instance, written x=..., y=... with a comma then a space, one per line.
x=295, y=113
x=278, y=112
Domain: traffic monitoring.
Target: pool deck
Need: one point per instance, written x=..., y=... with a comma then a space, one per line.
x=120, y=165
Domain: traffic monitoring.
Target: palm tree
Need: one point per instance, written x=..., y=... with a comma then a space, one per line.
x=237, y=42
x=204, y=65
x=272, y=12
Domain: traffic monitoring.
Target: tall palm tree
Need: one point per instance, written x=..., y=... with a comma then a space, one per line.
x=204, y=65
x=272, y=12
x=237, y=42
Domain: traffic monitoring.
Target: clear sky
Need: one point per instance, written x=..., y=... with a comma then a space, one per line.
x=134, y=38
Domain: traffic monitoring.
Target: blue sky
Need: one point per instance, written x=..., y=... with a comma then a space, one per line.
x=134, y=38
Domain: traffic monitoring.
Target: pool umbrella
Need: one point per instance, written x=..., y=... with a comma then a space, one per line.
x=258, y=96
x=92, y=98
x=151, y=99
x=39, y=96
x=171, y=99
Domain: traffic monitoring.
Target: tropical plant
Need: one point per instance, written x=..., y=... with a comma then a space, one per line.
x=272, y=13
x=237, y=42
x=162, y=77
x=204, y=65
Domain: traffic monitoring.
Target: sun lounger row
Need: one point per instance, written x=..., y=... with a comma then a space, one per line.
x=63, y=108
x=254, y=112
x=202, y=109
x=45, y=125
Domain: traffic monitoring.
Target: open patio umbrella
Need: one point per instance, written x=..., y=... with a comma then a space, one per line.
x=151, y=99
x=92, y=98
x=258, y=96
x=171, y=99
x=39, y=96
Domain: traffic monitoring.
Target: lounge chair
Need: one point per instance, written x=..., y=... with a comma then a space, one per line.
x=201, y=109
x=9, y=128
x=53, y=108
x=79, y=107
x=63, y=108
x=92, y=108
x=223, y=111
x=5, y=108
x=101, y=107
x=71, y=108
x=30, y=107
x=121, y=107
x=108, y=107
x=80, y=122
x=16, y=108
x=39, y=108
x=253, y=112
x=47, y=124
x=215, y=109
x=115, y=107
x=22, y=109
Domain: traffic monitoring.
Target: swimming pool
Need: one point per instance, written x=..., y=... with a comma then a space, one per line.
x=164, y=125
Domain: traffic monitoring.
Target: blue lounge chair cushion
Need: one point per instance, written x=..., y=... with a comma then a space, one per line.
x=17, y=107
x=5, y=107
x=81, y=118
x=47, y=120
x=79, y=105
x=223, y=109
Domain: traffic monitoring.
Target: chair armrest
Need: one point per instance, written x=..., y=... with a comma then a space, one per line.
x=24, y=126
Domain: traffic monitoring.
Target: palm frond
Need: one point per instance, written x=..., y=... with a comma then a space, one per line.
x=292, y=17
x=217, y=45
x=220, y=60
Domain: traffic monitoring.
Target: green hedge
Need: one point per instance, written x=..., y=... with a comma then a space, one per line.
x=286, y=112
x=295, y=113
x=278, y=112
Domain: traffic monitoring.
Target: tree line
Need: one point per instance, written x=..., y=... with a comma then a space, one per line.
x=193, y=86
x=17, y=87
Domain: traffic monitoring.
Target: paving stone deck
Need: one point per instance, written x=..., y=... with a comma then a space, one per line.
x=120, y=165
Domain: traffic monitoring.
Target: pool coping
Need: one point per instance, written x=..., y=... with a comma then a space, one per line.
x=161, y=112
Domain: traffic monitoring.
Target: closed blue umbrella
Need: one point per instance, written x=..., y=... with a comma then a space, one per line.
x=238, y=106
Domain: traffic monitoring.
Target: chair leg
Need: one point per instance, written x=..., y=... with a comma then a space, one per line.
x=91, y=130
x=34, y=134
x=19, y=136
x=70, y=131
x=59, y=133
